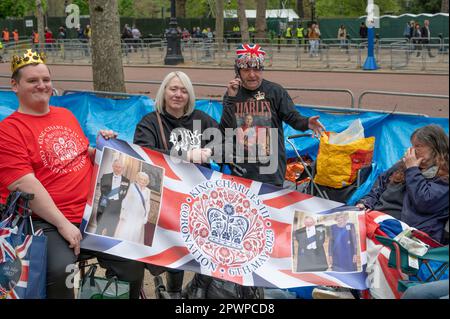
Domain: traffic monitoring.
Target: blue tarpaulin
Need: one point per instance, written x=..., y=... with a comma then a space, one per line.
x=391, y=131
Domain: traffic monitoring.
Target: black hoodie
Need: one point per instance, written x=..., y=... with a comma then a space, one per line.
x=269, y=106
x=183, y=133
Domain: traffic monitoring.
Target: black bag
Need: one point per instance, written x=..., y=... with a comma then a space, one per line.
x=206, y=287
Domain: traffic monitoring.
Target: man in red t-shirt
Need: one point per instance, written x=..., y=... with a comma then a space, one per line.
x=45, y=152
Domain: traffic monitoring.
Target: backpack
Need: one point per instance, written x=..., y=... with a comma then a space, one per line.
x=206, y=287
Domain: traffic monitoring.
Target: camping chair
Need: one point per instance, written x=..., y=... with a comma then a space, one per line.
x=312, y=188
x=415, y=269
x=86, y=259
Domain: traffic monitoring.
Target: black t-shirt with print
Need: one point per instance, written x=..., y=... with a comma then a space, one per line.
x=252, y=114
x=182, y=134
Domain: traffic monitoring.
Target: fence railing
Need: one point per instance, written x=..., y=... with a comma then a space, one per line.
x=403, y=94
x=295, y=54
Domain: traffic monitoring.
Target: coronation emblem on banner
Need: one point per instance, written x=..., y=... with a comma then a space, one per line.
x=226, y=228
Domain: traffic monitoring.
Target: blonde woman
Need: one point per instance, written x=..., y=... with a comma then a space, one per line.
x=135, y=210
x=175, y=127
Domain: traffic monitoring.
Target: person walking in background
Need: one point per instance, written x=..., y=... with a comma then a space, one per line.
x=5, y=36
x=136, y=37
x=342, y=36
x=48, y=39
x=15, y=34
x=87, y=32
x=313, y=36
x=417, y=39
x=35, y=39
x=363, y=31
x=425, y=33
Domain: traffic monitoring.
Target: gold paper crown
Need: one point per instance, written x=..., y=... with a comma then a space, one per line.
x=29, y=57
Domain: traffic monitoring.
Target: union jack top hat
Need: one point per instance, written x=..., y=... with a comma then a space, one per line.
x=250, y=56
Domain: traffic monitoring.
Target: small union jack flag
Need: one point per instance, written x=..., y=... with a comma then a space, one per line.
x=250, y=55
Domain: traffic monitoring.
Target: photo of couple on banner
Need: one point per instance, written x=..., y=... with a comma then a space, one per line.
x=185, y=216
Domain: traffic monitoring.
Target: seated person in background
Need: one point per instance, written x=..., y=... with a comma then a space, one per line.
x=415, y=190
x=44, y=151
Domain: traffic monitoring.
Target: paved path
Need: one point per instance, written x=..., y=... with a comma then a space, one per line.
x=357, y=82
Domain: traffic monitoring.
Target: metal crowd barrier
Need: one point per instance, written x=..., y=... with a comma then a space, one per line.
x=344, y=110
x=332, y=90
x=391, y=53
x=404, y=94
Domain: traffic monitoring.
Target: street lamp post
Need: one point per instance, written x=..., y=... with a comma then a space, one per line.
x=313, y=9
x=173, y=56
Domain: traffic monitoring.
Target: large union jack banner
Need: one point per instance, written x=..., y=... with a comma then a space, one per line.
x=224, y=226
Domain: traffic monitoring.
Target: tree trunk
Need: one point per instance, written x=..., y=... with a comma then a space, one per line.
x=444, y=6
x=261, y=24
x=243, y=21
x=40, y=24
x=300, y=9
x=107, y=65
x=55, y=8
x=219, y=24
x=181, y=8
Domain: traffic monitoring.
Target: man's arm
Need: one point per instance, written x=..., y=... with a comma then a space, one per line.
x=291, y=116
x=44, y=206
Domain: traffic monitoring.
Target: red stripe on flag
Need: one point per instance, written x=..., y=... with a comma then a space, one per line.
x=90, y=197
x=24, y=245
x=167, y=256
x=375, y=214
x=391, y=274
x=13, y=295
x=24, y=274
x=9, y=251
x=283, y=239
x=362, y=231
x=170, y=210
x=4, y=231
x=311, y=278
x=159, y=160
x=246, y=182
x=286, y=200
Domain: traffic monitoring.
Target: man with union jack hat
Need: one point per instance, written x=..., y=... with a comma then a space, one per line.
x=255, y=109
x=269, y=105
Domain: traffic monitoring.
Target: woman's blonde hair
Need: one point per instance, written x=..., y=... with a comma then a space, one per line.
x=160, y=103
x=143, y=175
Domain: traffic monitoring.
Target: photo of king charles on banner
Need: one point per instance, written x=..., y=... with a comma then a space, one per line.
x=158, y=210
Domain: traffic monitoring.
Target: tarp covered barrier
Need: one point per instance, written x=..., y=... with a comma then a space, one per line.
x=391, y=131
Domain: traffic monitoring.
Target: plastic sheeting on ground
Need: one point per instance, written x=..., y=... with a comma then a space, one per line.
x=392, y=131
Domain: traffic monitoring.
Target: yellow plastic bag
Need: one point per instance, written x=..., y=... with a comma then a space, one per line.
x=337, y=164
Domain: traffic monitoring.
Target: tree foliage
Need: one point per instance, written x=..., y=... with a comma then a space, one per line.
x=425, y=6
x=84, y=6
x=202, y=8
x=126, y=7
x=16, y=8
x=354, y=8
